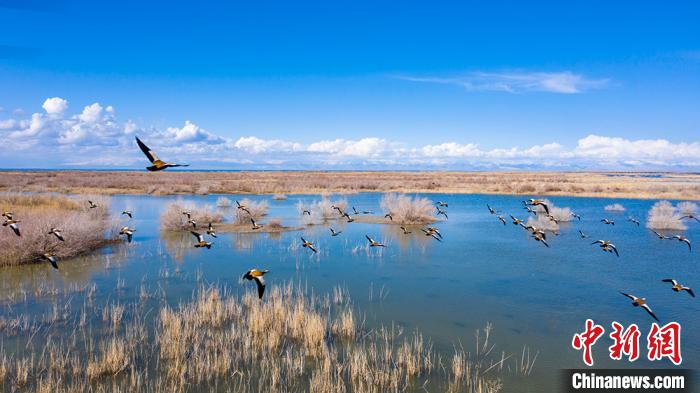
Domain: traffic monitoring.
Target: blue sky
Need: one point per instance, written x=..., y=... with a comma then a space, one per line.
x=588, y=85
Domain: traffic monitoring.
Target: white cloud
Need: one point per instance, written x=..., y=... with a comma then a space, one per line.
x=95, y=137
x=565, y=82
x=55, y=106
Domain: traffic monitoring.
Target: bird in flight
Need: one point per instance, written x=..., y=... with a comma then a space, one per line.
x=530, y=210
x=583, y=235
x=127, y=213
x=92, y=204
x=242, y=207
x=607, y=222
x=256, y=226
x=346, y=215
x=660, y=236
x=51, y=258
x=187, y=213
x=257, y=275
x=56, y=232
x=691, y=217
x=432, y=232
x=633, y=220
x=607, y=245
x=389, y=216
x=405, y=231
x=574, y=215
x=200, y=240
x=517, y=221
x=308, y=245
x=334, y=232
x=128, y=232
x=500, y=218
x=440, y=211
x=13, y=225
x=373, y=243
x=193, y=222
x=441, y=204
x=641, y=302
x=491, y=210
x=683, y=239
x=305, y=211
x=537, y=202
x=158, y=164
x=678, y=287
x=540, y=237
x=211, y=231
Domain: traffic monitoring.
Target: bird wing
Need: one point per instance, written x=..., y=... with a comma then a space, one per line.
x=546, y=209
x=648, y=309
x=303, y=240
x=614, y=249
x=52, y=260
x=672, y=281
x=369, y=239
x=152, y=157
x=690, y=291
x=197, y=235
x=598, y=241
x=628, y=295
x=688, y=243
x=210, y=227
x=261, y=285
x=15, y=228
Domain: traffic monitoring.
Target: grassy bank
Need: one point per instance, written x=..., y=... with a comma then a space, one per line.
x=83, y=229
x=619, y=185
x=218, y=341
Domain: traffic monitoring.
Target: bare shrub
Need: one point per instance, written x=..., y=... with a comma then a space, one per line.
x=663, y=215
x=254, y=210
x=83, y=229
x=688, y=208
x=172, y=218
x=615, y=208
x=274, y=223
x=561, y=214
x=408, y=210
x=542, y=222
x=223, y=202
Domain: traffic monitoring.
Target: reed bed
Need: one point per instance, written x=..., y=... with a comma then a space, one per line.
x=615, y=184
x=408, y=210
x=84, y=229
x=217, y=340
x=173, y=218
x=663, y=215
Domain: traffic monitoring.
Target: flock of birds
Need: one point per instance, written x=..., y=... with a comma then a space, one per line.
x=537, y=206
x=533, y=206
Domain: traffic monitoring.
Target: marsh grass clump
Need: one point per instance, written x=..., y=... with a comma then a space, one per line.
x=542, y=222
x=663, y=215
x=560, y=214
x=83, y=229
x=615, y=208
x=223, y=202
x=255, y=210
x=408, y=210
x=220, y=341
x=172, y=218
x=688, y=208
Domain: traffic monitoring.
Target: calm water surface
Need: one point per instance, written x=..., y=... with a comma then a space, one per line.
x=483, y=272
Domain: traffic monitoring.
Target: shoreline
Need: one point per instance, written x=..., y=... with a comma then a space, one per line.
x=632, y=185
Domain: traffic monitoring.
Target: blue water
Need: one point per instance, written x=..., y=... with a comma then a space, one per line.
x=483, y=272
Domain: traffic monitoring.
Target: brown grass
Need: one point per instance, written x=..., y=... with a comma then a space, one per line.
x=596, y=184
x=290, y=341
x=83, y=229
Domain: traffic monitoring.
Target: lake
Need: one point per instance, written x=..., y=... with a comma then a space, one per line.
x=483, y=272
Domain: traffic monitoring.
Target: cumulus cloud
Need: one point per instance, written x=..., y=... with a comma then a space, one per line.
x=55, y=106
x=95, y=137
x=565, y=82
